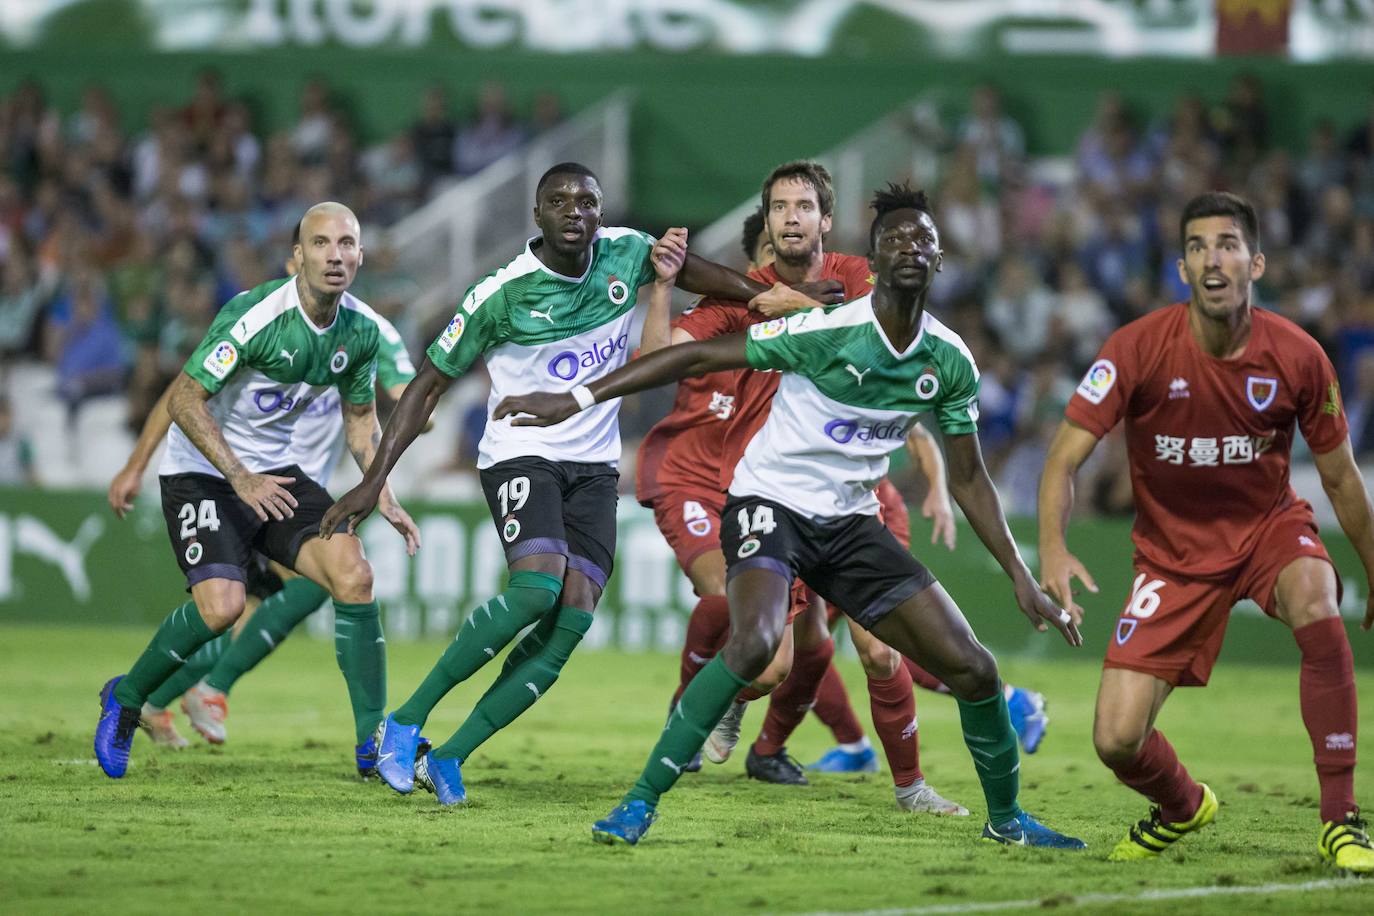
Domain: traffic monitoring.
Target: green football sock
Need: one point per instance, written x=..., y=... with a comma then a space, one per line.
x=703, y=703
x=360, y=650
x=277, y=616
x=992, y=743
x=180, y=635
x=520, y=685
x=201, y=662
x=528, y=597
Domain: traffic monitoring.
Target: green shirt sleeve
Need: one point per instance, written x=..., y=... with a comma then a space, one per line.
x=956, y=409
x=218, y=356
x=393, y=360
x=475, y=327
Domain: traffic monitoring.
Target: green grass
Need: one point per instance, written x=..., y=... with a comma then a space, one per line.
x=273, y=822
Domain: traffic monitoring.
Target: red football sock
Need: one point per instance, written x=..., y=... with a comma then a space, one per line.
x=707, y=630
x=834, y=709
x=923, y=678
x=893, y=705
x=1326, y=692
x=1157, y=774
x=789, y=703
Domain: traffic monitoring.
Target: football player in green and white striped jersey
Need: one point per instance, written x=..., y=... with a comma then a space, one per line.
x=855, y=379
x=560, y=312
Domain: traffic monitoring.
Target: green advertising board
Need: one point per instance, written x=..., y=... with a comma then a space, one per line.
x=65, y=558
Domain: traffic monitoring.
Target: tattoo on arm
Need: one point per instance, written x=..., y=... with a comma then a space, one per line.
x=186, y=406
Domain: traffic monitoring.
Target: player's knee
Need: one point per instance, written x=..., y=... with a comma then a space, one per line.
x=352, y=581
x=749, y=651
x=880, y=661
x=1117, y=743
x=220, y=611
x=975, y=676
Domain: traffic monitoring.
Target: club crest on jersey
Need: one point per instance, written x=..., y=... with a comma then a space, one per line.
x=194, y=553
x=1125, y=627
x=927, y=385
x=510, y=530
x=768, y=329
x=1261, y=391
x=1099, y=380
x=617, y=290
x=449, y=339
x=221, y=360
x=339, y=361
x=748, y=548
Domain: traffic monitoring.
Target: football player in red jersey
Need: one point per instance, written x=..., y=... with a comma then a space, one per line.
x=1210, y=391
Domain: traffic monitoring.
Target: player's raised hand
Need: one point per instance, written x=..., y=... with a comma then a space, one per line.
x=669, y=254
x=1040, y=608
x=543, y=408
x=1058, y=569
x=266, y=495
x=781, y=300
x=936, y=507
x=400, y=520
x=124, y=490
x=826, y=292
x=351, y=508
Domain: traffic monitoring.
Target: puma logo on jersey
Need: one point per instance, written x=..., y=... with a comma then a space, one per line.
x=859, y=376
x=290, y=357
x=547, y=316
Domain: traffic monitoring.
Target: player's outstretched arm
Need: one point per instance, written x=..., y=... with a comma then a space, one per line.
x=1345, y=488
x=973, y=491
x=671, y=364
x=265, y=494
x=668, y=256
x=362, y=433
x=707, y=278
x=406, y=422
x=924, y=449
x=1070, y=447
x=127, y=483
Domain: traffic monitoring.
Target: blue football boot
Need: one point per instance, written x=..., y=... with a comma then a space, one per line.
x=366, y=756
x=114, y=733
x=396, y=748
x=443, y=777
x=1027, y=831
x=626, y=824
x=1028, y=717
x=839, y=760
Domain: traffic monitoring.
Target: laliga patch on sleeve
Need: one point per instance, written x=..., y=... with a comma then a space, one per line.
x=449, y=339
x=1099, y=380
x=768, y=329
x=221, y=360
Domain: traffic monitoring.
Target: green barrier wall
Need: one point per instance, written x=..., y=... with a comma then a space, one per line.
x=64, y=557
x=706, y=128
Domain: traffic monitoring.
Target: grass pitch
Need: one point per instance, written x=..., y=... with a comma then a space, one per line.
x=273, y=820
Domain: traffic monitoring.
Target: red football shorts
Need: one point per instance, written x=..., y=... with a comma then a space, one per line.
x=893, y=513
x=690, y=522
x=1173, y=627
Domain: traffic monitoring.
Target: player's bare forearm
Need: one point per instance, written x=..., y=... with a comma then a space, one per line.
x=672, y=364
x=407, y=420
x=972, y=489
x=656, y=333
x=1344, y=486
x=1070, y=447
x=186, y=406
x=707, y=278
x=922, y=446
x=362, y=432
x=153, y=432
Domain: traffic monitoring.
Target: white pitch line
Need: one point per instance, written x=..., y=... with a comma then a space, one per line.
x=1072, y=900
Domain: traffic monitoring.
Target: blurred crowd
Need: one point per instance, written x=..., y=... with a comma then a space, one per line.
x=117, y=247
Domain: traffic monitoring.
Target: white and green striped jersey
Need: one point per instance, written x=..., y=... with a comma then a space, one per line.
x=846, y=400
x=265, y=364
x=319, y=434
x=539, y=330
